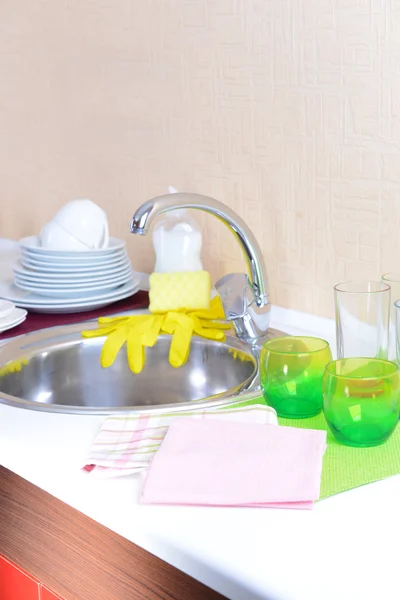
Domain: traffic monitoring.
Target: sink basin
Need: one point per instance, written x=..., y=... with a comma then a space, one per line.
x=57, y=370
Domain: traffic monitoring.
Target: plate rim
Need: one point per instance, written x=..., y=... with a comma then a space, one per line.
x=54, y=267
x=129, y=288
x=70, y=280
x=120, y=244
x=12, y=325
x=89, y=305
x=54, y=260
x=19, y=309
x=62, y=289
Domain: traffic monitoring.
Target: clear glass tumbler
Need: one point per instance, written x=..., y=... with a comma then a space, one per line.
x=291, y=372
x=392, y=279
x=361, y=400
x=397, y=323
x=362, y=311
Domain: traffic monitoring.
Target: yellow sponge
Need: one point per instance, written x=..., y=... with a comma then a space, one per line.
x=188, y=290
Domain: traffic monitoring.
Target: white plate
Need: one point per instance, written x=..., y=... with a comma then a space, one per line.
x=81, y=267
x=30, y=275
x=70, y=292
x=7, y=327
x=78, y=286
x=14, y=317
x=56, y=309
x=31, y=245
x=79, y=308
x=6, y=307
x=87, y=259
x=32, y=301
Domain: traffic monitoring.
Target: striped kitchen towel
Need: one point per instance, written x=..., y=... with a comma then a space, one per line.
x=126, y=443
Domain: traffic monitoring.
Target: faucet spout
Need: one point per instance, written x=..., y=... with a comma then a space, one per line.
x=147, y=212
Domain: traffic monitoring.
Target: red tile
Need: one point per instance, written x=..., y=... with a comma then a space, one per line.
x=46, y=594
x=15, y=584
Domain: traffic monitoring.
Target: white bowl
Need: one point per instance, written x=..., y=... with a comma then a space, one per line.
x=85, y=221
x=54, y=237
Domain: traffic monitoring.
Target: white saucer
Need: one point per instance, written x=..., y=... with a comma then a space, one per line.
x=32, y=245
x=6, y=307
x=16, y=317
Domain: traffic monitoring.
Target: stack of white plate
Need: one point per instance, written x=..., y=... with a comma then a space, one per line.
x=56, y=281
x=10, y=315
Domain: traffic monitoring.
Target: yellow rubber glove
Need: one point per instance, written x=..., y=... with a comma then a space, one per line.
x=143, y=335
x=208, y=323
x=141, y=331
x=214, y=313
x=15, y=366
x=180, y=326
x=137, y=332
x=209, y=329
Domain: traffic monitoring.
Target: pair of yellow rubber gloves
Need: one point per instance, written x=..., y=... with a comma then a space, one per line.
x=141, y=331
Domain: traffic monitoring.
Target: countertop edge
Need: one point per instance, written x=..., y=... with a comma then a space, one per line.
x=78, y=558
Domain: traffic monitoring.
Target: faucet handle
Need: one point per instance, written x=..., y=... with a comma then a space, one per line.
x=251, y=322
x=232, y=291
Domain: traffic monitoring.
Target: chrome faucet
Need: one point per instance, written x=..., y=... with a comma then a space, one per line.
x=244, y=297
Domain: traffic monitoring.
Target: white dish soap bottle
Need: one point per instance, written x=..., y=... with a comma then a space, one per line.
x=177, y=243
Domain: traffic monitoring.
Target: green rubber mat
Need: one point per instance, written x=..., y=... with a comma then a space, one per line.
x=345, y=468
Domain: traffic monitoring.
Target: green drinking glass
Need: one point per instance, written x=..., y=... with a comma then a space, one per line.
x=291, y=372
x=361, y=400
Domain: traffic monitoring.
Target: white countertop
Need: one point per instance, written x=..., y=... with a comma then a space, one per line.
x=345, y=548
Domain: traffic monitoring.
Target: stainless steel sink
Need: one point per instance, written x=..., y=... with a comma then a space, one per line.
x=57, y=370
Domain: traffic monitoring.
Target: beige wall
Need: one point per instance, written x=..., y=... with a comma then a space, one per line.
x=287, y=110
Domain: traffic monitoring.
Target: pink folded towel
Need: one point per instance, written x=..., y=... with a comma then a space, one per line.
x=221, y=463
x=126, y=443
